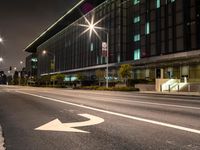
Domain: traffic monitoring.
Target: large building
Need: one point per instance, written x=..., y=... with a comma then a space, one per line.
x=160, y=38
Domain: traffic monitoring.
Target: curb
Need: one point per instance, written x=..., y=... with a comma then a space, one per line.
x=172, y=93
x=1, y=140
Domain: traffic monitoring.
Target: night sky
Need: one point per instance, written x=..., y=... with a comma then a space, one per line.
x=21, y=21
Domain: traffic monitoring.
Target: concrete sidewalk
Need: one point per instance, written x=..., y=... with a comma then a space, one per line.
x=1, y=140
x=173, y=93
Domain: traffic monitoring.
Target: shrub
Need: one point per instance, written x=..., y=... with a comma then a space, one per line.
x=108, y=89
x=132, y=82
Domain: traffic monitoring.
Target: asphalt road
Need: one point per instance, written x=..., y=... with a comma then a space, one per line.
x=97, y=120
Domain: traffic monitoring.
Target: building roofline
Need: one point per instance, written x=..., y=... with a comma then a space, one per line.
x=53, y=25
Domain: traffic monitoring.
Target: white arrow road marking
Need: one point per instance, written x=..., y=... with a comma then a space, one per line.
x=56, y=125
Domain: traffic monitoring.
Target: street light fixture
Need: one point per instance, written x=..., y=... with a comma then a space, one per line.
x=1, y=40
x=1, y=59
x=44, y=52
x=91, y=26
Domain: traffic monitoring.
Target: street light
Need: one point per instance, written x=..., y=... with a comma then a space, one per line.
x=91, y=26
x=1, y=59
x=44, y=52
x=92, y=29
x=1, y=40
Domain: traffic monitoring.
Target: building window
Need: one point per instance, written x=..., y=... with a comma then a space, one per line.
x=147, y=28
x=97, y=60
x=157, y=3
x=34, y=60
x=137, y=37
x=118, y=58
x=170, y=1
x=135, y=2
x=137, y=19
x=137, y=54
x=91, y=47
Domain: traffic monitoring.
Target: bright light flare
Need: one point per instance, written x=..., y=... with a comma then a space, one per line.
x=91, y=26
x=44, y=52
x=1, y=59
x=1, y=40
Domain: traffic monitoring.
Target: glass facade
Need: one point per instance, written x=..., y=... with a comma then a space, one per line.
x=31, y=65
x=138, y=30
x=165, y=27
x=74, y=50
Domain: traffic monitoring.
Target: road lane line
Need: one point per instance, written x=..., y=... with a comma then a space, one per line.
x=117, y=114
x=140, y=96
x=135, y=101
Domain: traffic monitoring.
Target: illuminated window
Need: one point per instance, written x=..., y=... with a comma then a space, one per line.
x=34, y=60
x=157, y=3
x=137, y=54
x=147, y=28
x=135, y=2
x=91, y=47
x=137, y=37
x=137, y=19
x=118, y=58
x=169, y=1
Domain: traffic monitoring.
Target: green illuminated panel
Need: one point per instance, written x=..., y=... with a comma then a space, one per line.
x=135, y=2
x=137, y=19
x=137, y=37
x=147, y=28
x=157, y=3
x=137, y=54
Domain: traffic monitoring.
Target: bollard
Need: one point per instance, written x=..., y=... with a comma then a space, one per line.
x=178, y=88
x=161, y=88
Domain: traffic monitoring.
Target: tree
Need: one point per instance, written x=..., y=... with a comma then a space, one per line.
x=125, y=71
x=15, y=78
x=58, y=78
x=100, y=74
x=80, y=77
x=46, y=79
x=53, y=79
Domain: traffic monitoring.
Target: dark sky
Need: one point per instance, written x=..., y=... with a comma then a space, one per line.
x=21, y=21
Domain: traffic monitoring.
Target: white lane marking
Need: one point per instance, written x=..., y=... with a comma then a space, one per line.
x=117, y=114
x=159, y=104
x=135, y=101
x=56, y=125
x=131, y=96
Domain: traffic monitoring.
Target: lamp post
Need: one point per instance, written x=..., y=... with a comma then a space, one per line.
x=20, y=72
x=91, y=27
x=1, y=41
x=107, y=71
x=44, y=52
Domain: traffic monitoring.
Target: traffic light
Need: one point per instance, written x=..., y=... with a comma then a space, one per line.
x=10, y=68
